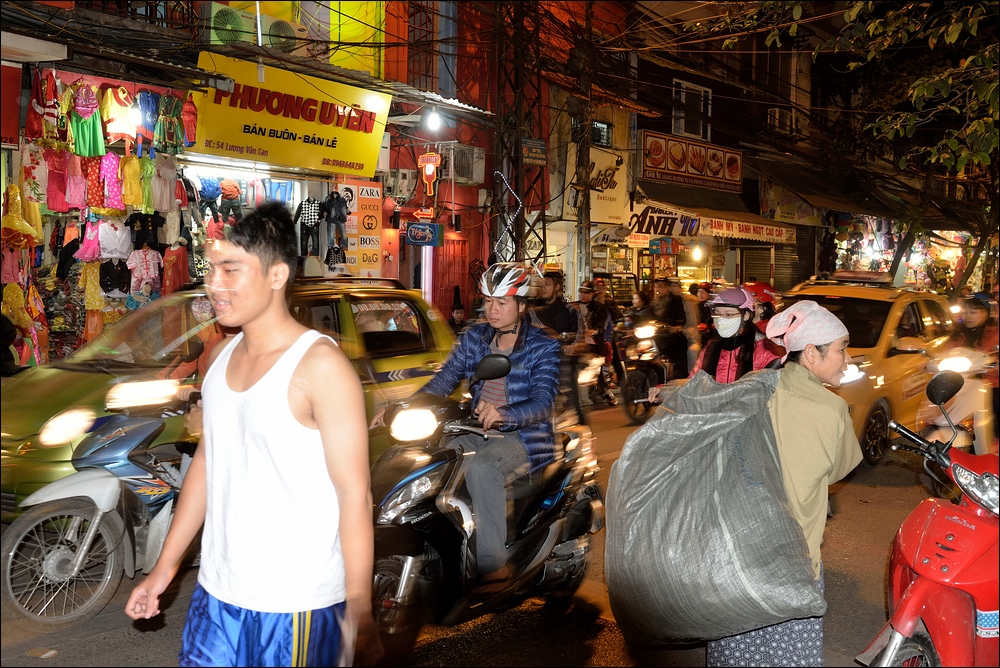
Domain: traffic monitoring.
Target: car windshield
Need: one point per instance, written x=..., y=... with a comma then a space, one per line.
x=864, y=318
x=164, y=332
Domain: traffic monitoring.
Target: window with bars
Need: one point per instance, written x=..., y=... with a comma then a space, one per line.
x=692, y=109
x=422, y=61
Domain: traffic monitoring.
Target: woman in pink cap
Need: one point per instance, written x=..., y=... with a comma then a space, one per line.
x=817, y=447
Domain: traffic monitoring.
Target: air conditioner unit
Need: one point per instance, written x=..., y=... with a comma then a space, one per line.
x=225, y=25
x=281, y=35
x=400, y=184
x=780, y=120
x=465, y=164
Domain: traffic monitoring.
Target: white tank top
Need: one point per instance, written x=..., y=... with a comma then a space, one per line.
x=271, y=541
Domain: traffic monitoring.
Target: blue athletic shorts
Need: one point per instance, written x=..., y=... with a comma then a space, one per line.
x=220, y=634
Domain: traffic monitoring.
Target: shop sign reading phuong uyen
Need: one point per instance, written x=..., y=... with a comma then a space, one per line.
x=290, y=119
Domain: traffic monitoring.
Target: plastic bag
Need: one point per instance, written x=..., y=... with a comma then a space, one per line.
x=700, y=542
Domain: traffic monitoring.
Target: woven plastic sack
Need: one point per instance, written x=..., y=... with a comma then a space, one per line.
x=700, y=543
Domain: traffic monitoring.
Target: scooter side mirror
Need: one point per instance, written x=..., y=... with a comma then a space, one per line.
x=943, y=386
x=491, y=367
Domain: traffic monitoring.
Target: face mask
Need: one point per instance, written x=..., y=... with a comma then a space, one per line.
x=728, y=327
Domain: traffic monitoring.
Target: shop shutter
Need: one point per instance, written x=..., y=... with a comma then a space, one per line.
x=757, y=264
x=451, y=268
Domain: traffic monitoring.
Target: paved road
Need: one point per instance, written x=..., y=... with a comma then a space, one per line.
x=869, y=506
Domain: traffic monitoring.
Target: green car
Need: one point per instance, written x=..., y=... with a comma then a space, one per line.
x=395, y=339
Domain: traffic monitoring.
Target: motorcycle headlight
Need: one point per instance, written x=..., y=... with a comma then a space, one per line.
x=645, y=332
x=643, y=346
x=956, y=364
x=141, y=393
x=983, y=488
x=413, y=424
x=64, y=427
x=410, y=492
x=852, y=374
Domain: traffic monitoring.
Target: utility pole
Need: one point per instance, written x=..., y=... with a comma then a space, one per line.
x=583, y=259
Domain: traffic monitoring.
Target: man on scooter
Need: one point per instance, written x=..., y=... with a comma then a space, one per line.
x=519, y=405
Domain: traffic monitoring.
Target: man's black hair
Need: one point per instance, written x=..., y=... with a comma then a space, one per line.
x=269, y=234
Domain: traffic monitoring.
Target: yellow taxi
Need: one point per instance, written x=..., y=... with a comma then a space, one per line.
x=395, y=339
x=894, y=332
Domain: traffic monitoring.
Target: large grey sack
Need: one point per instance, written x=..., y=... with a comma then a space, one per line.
x=700, y=543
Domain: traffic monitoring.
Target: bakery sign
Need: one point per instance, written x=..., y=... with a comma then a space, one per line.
x=677, y=160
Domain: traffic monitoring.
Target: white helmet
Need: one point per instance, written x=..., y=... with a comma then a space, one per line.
x=505, y=280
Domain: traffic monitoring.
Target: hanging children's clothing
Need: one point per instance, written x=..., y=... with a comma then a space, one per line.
x=95, y=191
x=168, y=132
x=88, y=133
x=115, y=106
x=189, y=118
x=72, y=232
x=90, y=247
x=109, y=173
x=115, y=239
x=149, y=108
x=175, y=267
x=55, y=190
x=76, y=182
x=164, y=183
x=145, y=227
x=34, y=170
x=147, y=172
x=10, y=265
x=172, y=226
x=131, y=181
x=115, y=275
x=145, y=264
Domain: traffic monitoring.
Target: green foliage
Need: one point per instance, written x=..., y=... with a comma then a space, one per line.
x=942, y=57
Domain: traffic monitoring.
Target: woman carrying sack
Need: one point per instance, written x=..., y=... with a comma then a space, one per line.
x=816, y=447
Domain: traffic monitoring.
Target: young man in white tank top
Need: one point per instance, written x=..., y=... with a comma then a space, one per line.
x=280, y=480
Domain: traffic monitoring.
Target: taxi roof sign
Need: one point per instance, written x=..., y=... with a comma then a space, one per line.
x=870, y=277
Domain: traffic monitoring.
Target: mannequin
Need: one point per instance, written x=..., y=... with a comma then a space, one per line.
x=335, y=209
x=307, y=217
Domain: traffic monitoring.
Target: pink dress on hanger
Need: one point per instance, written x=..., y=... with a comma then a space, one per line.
x=112, y=181
x=55, y=190
x=76, y=183
x=90, y=247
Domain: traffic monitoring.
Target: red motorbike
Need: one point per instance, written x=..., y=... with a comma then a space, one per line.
x=943, y=568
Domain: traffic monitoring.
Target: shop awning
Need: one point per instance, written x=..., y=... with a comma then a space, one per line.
x=816, y=189
x=721, y=214
x=690, y=197
x=745, y=226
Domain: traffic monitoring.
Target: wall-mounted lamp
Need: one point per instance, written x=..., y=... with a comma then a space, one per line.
x=696, y=253
x=433, y=120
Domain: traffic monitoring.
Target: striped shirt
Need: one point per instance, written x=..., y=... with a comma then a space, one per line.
x=495, y=391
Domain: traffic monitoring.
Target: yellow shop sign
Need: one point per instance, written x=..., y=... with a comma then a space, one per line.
x=290, y=119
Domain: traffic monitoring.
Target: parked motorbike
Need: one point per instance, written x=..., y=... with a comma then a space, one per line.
x=425, y=531
x=644, y=368
x=64, y=557
x=943, y=566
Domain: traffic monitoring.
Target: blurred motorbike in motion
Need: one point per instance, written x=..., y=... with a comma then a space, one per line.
x=425, y=529
x=645, y=367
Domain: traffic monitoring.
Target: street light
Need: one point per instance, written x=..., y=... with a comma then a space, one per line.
x=433, y=120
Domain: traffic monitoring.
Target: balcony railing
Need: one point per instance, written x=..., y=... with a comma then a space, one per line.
x=172, y=14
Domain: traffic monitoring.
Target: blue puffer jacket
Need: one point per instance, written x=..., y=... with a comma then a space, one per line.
x=531, y=385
